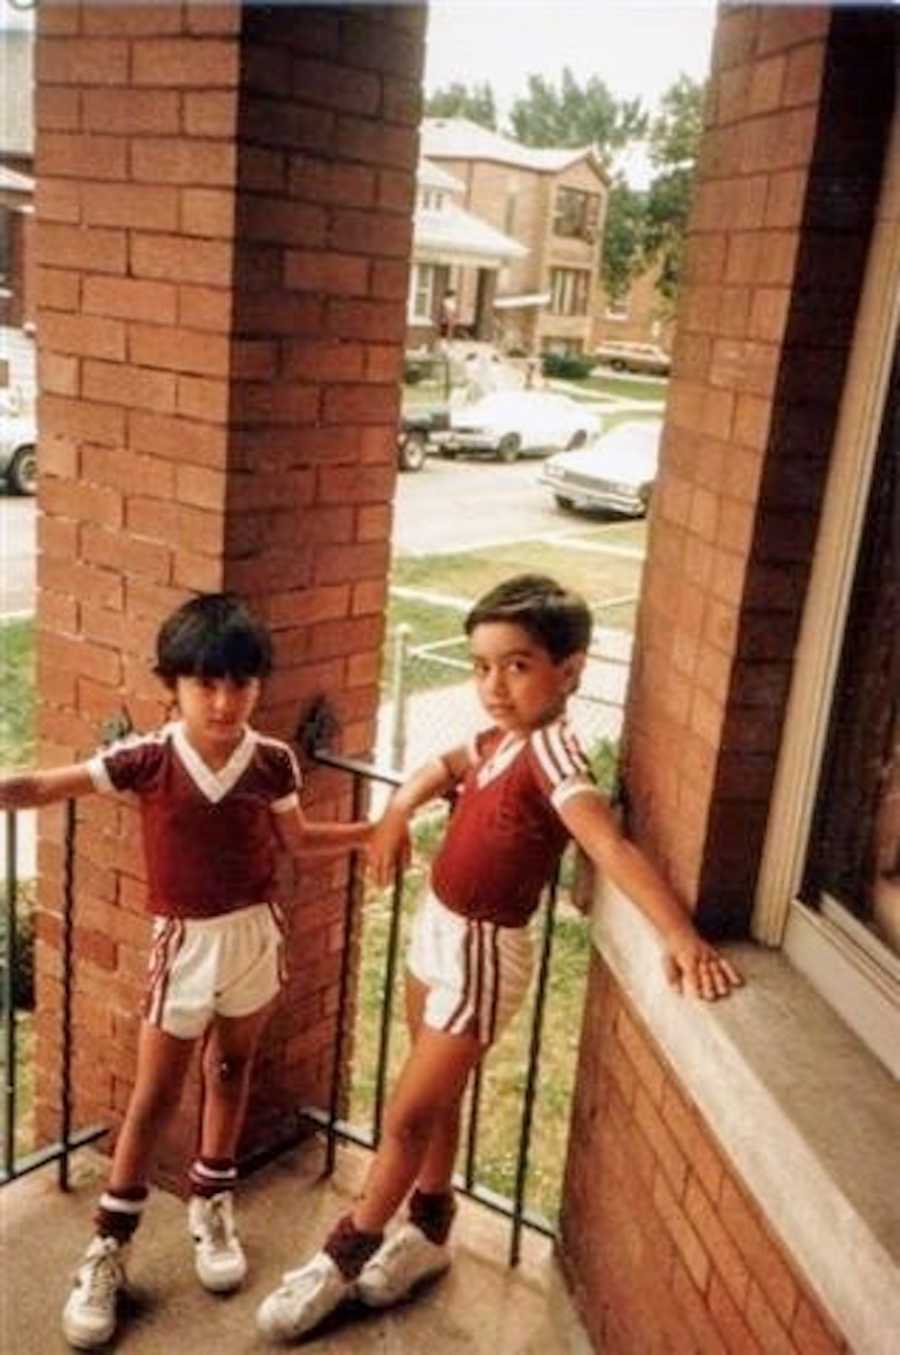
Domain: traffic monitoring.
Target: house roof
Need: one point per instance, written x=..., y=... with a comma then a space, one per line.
x=453, y=234
x=430, y=175
x=11, y=181
x=460, y=139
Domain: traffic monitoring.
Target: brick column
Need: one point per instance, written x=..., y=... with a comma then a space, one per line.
x=224, y=226
x=788, y=175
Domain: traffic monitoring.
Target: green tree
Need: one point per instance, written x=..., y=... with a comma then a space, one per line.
x=458, y=100
x=576, y=115
x=673, y=143
x=622, y=257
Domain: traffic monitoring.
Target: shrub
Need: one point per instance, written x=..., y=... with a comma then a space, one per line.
x=414, y=372
x=567, y=366
x=23, y=960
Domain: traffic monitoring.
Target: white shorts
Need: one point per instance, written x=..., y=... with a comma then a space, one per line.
x=477, y=973
x=231, y=965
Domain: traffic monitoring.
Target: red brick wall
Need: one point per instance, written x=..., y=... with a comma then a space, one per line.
x=787, y=182
x=224, y=222
x=662, y=1242
x=664, y=1249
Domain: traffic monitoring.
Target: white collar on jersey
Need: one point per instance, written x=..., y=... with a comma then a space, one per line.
x=506, y=751
x=214, y=785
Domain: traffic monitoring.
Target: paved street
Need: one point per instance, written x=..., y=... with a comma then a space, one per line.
x=17, y=517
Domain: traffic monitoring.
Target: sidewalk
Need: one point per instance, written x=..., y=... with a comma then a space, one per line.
x=480, y=1308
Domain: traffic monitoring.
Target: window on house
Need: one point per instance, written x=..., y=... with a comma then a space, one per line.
x=570, y=290
x=421, y=293
x=854, y=853
x=576, y=214
x=509, y=215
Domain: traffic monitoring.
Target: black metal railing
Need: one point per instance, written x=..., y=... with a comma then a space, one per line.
x=13, y=1165
x=340, y=1129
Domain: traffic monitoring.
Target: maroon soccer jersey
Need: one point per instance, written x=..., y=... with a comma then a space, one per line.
x=209, y=838
x=505, y=836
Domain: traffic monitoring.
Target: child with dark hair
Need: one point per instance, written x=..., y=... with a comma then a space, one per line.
x=524, y=789
x=217, y=801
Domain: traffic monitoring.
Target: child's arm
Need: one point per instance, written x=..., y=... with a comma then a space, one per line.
x=303, y=837
x=28, y=790
x=389, y=846
x=690, y=961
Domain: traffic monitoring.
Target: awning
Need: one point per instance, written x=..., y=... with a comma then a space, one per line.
x=510, y=303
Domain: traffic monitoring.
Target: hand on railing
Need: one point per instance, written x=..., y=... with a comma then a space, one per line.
x=389, y=848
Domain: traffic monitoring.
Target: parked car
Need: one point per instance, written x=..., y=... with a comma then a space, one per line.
x=616, y=471
x=507, y=424
x=414, y=436
x=623, y=356
x=18, y=448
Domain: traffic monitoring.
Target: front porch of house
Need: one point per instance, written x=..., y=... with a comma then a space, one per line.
x=481, y=1307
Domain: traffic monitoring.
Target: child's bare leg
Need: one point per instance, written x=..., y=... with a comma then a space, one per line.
x=430, y=1086
x=227, y=1064
x=436, y=1172
x=162, y=1064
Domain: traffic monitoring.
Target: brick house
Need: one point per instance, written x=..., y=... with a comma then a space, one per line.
x=553, y=202
x=225, y=207
x=641, y=316
x=451, y=243
x=16, y=181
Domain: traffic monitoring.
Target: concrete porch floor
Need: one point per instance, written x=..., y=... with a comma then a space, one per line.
x=480, y=1308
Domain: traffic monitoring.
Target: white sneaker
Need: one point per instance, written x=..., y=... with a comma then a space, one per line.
x=407, y=1258
x=218, y=1255
x=305, y=1297
x=89, y=1317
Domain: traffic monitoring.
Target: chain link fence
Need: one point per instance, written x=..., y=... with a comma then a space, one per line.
x=433, y=706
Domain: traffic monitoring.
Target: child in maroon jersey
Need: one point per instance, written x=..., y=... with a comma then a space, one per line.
x=218, y=801
x=524, y=788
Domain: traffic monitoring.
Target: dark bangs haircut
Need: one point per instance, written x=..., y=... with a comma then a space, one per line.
x=558, y=619
x=213, y=636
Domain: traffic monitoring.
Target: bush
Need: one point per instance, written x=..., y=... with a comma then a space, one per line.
x=567, y=366
x=23, y=960
x=414, y=372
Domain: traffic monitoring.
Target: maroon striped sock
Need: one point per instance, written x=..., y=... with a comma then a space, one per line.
x=349, y=1248
x=209, y=1176
x=119, y=1212
x=433, y=1214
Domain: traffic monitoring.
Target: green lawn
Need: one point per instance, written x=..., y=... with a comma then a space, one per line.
x=467, y=575
x=16, y=693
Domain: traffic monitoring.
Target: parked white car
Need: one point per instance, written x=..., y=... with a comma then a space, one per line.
x=18, y=447
x=615, y=472
x=508, y=424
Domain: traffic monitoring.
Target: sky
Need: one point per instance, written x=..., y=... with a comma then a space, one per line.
x=637, y=47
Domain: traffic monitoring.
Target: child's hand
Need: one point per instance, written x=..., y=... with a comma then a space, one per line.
x=694, y=966
x=388, y=848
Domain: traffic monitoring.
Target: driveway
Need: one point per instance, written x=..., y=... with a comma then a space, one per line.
x=17, y=551
x=458, y=505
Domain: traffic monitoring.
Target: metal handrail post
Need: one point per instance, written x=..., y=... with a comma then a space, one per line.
x=9, y=998
x=534, y=1054
x=343, y=991
x=67, y=955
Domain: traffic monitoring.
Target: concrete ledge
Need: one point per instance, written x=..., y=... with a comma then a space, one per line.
x=807, y=1116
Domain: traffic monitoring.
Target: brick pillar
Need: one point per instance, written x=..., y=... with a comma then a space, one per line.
x=224, y=225
x=789, y=170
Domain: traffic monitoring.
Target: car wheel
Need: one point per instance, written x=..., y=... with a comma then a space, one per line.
x=413, y=450
x=509, y=448
x=448, y=453
x=576, y=440
x=618, y=365
x=22, y=473
x=563, y=502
